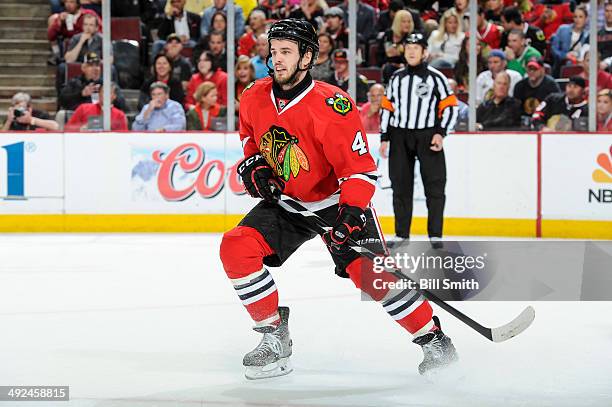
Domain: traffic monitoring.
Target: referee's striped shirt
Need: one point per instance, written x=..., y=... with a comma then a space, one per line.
x=418, y=98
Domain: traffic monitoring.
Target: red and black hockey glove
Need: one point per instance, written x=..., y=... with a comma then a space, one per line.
x=350, y=223
x=259, y=179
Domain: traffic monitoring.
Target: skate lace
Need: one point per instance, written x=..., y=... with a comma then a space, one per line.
x=269, y=343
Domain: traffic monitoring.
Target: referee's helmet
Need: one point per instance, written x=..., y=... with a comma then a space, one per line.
x=416, y=38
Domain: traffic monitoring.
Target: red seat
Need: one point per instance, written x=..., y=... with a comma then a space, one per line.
x=373, y=49
x=187, y=52
x=463, y=96
x=372, y=73
x=571, y=70
x=125, y=28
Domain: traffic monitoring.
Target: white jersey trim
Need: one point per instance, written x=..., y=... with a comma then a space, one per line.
x=293, y=102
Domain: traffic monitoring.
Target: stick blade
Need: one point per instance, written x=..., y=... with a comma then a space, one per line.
x=514, y=327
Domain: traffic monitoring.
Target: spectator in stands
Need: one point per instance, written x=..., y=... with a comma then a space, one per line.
x=494, y=10
x=86, y=88
x=161, y=113
x=370, y=111
x=562, y=111
x=604, y=36
x=334, y=26
x=161, y=71
x=548, y=16
x=193, y=6
x=216, y=47
x=245, y=75
x=445, y=42
x=207, y=72
x=518, y=52
x=22, y=117
x=248, y=41
x=461, y=9
x=426, y=11
x=512, y=19
x=462, y=107
x=341, y=76
x=501, y=112
x=57, y=6
x=533, y=89
x=311, y=11
x=180, y=22
x=484, y=82
x=604, y=79
x=90, y=40
x=88, y=116
x=390, y=48
x=462, y=70
x=259, y=60
x=604, y=110
x=181, y=67
x=487, y=31
x=385, y=18
x=569, y=38
x=219, y=25
x=366, y=21
x=200, y=116
x=221, y=5
x=323, y=68
x=63, y=26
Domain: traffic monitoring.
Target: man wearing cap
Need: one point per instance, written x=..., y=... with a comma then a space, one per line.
x=519, y=52
x=341, y=76
x=86, y=88
x=334, y=26
x=419, y=110
x=533, y=89
x=181, y=67
x=484, y=82
x=560, y=111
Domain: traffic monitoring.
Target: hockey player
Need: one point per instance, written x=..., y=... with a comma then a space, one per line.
x=305, y=138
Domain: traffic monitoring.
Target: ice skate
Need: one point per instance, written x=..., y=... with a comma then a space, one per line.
x=271, y=357
x=438, y=349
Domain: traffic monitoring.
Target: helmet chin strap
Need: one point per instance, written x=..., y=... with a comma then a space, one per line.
x=294, y=75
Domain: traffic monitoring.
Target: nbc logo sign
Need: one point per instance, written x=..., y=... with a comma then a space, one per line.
x=603, y=175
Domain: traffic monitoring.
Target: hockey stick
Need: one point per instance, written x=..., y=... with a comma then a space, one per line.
x=499, y=334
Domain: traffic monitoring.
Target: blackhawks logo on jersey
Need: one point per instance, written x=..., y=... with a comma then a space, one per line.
x=340, y=104
x=281, y=151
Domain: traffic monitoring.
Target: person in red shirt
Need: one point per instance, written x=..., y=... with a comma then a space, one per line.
x=487, y=31
x=257, y=25
x=370, y=111
x=80, y=120
x=65, y=25
x=305, y=138
x=207, y=72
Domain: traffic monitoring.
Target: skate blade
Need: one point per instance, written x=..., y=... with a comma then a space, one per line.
x=281, y=368
x=448, y=374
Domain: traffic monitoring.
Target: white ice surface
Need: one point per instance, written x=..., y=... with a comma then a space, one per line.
x=151, y=320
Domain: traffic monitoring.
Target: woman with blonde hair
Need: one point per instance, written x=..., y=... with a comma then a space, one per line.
x=245, y=74
x=206, y=108
x=390, y=49
x=604, y=110
x=445, y=42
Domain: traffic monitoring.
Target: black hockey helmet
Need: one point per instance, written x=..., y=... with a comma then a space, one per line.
x=415, y=38
x=300, y=31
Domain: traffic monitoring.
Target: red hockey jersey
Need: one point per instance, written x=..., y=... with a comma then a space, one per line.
x=316, y=144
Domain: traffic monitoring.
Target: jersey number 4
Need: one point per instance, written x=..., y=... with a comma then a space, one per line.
x=359, y=145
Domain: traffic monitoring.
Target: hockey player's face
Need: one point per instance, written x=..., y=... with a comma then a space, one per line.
x=285, y=57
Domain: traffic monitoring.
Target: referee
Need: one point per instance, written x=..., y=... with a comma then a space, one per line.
x=419, y=110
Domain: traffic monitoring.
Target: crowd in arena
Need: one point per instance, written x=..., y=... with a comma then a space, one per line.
x=532, y=70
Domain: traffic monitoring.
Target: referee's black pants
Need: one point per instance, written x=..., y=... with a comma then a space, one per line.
x=405, y=147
